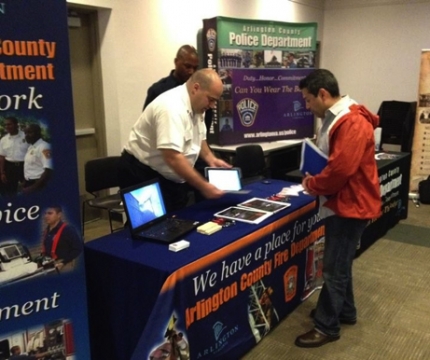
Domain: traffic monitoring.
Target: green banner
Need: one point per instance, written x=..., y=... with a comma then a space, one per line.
x=261, y=34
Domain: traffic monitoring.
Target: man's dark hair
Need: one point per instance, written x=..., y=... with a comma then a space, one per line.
x=36, y=128
x=14, y=350
x=320, y=79
x=186, y=50
x=56, y=207
x=12, y=118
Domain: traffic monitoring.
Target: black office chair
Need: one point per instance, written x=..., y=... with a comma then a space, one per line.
x=101, y=174
x=397, y=120
x=250, y=159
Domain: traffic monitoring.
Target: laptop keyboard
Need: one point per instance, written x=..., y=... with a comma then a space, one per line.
x=165, y=228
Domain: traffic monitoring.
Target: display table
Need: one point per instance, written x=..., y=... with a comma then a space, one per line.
x=393, y=171
x=281, y=156
x=216, y=299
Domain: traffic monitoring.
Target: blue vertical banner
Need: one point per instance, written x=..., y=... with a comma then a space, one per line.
x=43, y=305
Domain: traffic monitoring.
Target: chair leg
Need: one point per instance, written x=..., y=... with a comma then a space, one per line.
x=110, y=221
x=83, y=219
x=112, y=230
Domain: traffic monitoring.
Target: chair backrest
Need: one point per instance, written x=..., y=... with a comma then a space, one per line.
x=250, y=158
x=101, y=173
x=397, y=119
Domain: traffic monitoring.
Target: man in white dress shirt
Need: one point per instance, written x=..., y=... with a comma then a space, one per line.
x=37, y=162
x=169, y=136
x=13, y=148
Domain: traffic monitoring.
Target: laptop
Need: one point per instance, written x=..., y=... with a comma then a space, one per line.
x=146, y=214
x=227, y=179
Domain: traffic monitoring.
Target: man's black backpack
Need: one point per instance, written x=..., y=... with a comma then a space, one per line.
x=424, y=191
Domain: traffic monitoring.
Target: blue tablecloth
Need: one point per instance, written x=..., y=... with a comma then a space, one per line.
x=124, y=276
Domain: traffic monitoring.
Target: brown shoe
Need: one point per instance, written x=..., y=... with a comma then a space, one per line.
x=314, y=338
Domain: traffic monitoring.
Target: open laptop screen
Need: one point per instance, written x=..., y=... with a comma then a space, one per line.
x=143, y=203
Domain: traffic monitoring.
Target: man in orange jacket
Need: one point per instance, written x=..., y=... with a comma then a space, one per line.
x=348, y=190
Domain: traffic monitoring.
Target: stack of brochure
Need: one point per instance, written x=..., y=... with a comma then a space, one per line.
x=252, y=211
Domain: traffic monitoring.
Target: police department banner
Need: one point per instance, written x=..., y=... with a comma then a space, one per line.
x=220, y=306
x=42, y=284
x=261, y=64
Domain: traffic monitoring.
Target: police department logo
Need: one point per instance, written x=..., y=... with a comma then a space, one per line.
x=247, y=109
x=211, y=39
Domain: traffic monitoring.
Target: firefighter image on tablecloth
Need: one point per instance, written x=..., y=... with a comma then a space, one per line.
x=175, y=347
x=314, y=264
x=262, y=314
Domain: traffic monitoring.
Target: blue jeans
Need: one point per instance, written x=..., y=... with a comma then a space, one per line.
x=336, y=298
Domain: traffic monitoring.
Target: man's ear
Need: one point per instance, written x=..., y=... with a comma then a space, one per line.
x=196, y=86
x=324, y=94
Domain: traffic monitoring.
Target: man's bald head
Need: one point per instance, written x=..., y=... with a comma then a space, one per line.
x=205, y=88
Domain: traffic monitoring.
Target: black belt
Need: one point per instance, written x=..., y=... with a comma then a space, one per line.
x=15, y=163
x=133, y=161
x=29, y=182
x=127, y=154
x=132, y=158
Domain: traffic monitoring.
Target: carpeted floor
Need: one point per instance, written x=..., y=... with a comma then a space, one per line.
x=391, y=282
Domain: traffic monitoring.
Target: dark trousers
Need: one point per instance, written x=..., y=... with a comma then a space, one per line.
x=336, y=298
x=132, y=172
x=14, y=172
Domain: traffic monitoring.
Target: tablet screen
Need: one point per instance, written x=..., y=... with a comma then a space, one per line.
x=224, y=179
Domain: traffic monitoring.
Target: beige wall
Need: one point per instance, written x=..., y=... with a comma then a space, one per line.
x=374, y=47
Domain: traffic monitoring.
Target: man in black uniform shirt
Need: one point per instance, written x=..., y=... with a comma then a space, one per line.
x=186, y=63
